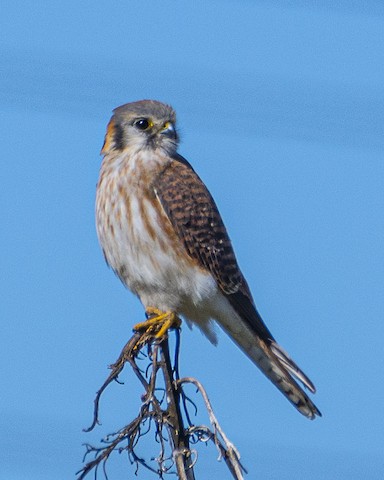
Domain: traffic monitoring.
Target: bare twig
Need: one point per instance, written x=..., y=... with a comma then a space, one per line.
x=227, y=449
x=180, y=441
x=160, y=412
x=125, y=355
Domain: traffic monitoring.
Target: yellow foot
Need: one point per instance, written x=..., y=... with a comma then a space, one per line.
x=158, y=322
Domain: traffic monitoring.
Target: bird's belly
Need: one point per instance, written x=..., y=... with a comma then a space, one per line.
x=141, y=247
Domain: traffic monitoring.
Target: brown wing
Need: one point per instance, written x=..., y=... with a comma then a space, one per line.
x=197, y=221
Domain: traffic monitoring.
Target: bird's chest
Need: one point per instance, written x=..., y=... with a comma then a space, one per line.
x=137, y=237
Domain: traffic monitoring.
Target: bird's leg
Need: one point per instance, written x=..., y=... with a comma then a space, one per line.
x=158, y=322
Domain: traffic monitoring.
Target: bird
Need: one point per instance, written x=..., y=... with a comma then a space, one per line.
x=162, y=234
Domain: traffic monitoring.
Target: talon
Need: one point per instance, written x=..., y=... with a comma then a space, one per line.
x=158, y=322
x=152, y=312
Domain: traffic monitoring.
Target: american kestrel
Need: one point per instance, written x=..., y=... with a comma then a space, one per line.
x=162, y=234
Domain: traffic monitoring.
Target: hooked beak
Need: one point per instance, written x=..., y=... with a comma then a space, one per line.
x=168, y=130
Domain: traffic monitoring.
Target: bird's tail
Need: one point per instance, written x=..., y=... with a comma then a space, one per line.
x=275, y=363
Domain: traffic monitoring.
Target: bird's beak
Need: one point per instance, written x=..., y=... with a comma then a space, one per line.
x=168, y=130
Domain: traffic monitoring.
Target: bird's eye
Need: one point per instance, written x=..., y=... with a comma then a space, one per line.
x=143, y=124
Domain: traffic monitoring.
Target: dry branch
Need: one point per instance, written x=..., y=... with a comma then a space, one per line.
x=164, y=410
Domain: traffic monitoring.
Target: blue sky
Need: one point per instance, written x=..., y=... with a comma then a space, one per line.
x=280, y=108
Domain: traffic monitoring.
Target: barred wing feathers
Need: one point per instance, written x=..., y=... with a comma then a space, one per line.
x=197, y=222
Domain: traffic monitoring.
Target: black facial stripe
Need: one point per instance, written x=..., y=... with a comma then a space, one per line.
x=118, y=137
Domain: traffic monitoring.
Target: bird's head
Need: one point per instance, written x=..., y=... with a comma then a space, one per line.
x=147, y=124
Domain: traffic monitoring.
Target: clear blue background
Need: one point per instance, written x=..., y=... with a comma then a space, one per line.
x=281, y=111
